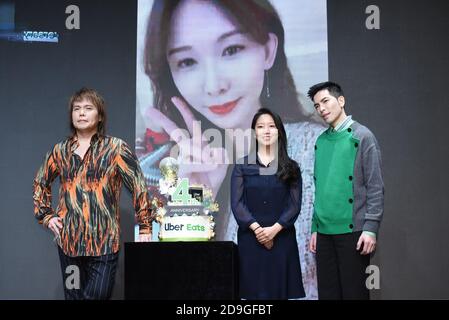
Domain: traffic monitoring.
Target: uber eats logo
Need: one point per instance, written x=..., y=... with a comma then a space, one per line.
x=183, y=227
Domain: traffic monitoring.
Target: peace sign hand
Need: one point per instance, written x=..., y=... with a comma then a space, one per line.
x=198, y=162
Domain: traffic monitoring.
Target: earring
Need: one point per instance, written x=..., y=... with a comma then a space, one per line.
x=267, y=83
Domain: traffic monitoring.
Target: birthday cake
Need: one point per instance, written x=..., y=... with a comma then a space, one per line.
x=183, y=211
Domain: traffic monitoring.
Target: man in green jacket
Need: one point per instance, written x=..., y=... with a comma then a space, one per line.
x=349, y=198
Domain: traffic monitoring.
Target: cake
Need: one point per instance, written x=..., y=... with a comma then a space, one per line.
x=183, y=211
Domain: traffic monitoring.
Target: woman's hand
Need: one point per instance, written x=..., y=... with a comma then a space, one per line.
x=267, y=234
x=198, y=162
x=257, y=229
x=269, y=245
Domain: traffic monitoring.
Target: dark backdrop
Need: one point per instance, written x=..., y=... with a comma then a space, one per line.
x=394, y=80
x=36, y=81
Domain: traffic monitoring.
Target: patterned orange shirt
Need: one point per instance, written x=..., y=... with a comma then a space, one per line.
x=89, y=194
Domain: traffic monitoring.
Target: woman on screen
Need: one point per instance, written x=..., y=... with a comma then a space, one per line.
x=218, y=62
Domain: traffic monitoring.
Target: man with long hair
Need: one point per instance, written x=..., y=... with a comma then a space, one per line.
x=92, y=168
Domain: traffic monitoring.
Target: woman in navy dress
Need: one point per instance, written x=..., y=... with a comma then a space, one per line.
x=266, y=190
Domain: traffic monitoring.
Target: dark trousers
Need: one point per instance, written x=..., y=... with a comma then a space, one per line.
x=341, y=268
x=96, y=276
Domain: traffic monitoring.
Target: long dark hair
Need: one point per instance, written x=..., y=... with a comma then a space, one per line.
x=258, y=18
x=288, y=169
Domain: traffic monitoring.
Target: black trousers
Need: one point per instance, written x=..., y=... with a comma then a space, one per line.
x=96, y=276
x=341, y=268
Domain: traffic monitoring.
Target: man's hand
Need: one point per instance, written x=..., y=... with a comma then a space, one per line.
x=367, y=243
x=146, y=237
x=55, y=225
x=312, y=244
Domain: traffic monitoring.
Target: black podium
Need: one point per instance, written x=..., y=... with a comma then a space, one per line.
x=181, y=270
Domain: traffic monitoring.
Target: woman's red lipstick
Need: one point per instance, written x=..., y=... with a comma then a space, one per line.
x=224, y=108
